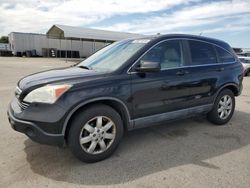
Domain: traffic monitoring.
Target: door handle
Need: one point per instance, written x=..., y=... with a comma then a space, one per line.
x=220, y=69
x=181, y=73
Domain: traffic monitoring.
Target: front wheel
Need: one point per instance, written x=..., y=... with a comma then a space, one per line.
x=95, y=133
x=223, y=108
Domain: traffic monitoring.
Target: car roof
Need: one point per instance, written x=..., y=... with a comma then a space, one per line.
x=156, y=38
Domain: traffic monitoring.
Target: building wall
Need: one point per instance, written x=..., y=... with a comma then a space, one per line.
x=21, y=42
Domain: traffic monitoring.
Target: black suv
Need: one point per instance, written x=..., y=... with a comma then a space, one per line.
x=129, y=84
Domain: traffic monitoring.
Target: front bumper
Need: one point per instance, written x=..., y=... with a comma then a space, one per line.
x=33, y=131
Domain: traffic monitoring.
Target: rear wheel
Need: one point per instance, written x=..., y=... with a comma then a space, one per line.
x=95, y=133
x=247, y=72
x=223, y=108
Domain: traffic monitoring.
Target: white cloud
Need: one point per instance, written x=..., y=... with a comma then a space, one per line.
x=203, y=15
x=37, y=16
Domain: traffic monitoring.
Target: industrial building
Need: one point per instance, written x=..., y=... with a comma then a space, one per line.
x=64, y=42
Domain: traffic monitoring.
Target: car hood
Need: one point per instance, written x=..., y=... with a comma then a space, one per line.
x=56, y=75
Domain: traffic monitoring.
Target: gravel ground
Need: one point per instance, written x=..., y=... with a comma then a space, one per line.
x=188, y=153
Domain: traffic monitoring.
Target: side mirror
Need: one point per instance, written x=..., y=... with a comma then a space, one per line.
x=149, y=66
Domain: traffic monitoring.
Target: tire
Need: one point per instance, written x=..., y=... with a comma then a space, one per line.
x=215, y=116
x=86, y=128
x=247, y=72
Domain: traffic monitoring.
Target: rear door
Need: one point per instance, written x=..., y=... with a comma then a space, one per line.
x=204, y=71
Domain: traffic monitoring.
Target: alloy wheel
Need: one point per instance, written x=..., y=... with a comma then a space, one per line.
x=97, y=135
x=225, y=107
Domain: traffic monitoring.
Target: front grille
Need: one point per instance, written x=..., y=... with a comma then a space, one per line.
x=23, y=105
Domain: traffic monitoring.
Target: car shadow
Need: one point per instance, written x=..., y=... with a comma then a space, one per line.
x=144, y=152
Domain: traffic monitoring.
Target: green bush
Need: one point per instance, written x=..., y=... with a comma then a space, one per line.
x=4, y=39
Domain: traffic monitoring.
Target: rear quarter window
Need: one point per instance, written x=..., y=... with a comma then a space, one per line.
x=202, y=53
x=224, y=56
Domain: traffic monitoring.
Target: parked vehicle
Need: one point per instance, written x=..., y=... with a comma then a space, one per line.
x=244, y=54
x=246, y=64
x=129, y=84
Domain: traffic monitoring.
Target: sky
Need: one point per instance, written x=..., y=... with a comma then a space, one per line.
x=228, y=20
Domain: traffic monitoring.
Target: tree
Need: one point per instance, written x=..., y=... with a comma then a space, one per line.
x=4, y=39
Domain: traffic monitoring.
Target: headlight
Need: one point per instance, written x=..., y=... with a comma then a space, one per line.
x=46, y=94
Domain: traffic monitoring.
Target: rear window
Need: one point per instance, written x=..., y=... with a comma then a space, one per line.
x=202, y=53
x=224, y=56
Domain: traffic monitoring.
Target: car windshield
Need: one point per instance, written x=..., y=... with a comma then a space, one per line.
x=113, y=56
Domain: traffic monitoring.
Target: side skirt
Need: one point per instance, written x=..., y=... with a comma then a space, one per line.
x=158, y=118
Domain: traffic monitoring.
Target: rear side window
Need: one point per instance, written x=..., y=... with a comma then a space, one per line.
x=224, y=56
x=202, y=53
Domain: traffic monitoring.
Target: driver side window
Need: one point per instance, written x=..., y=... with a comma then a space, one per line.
x=168, y=54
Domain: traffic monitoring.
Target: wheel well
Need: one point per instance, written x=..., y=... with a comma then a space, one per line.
x=233, y=88
x=247, y=70
x=117, y=106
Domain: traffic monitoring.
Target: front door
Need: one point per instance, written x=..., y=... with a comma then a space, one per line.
x=155, y=93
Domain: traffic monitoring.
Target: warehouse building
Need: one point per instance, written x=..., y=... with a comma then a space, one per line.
x=64, y=42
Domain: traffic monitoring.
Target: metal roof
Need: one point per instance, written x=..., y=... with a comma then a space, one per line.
x=63, y=31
